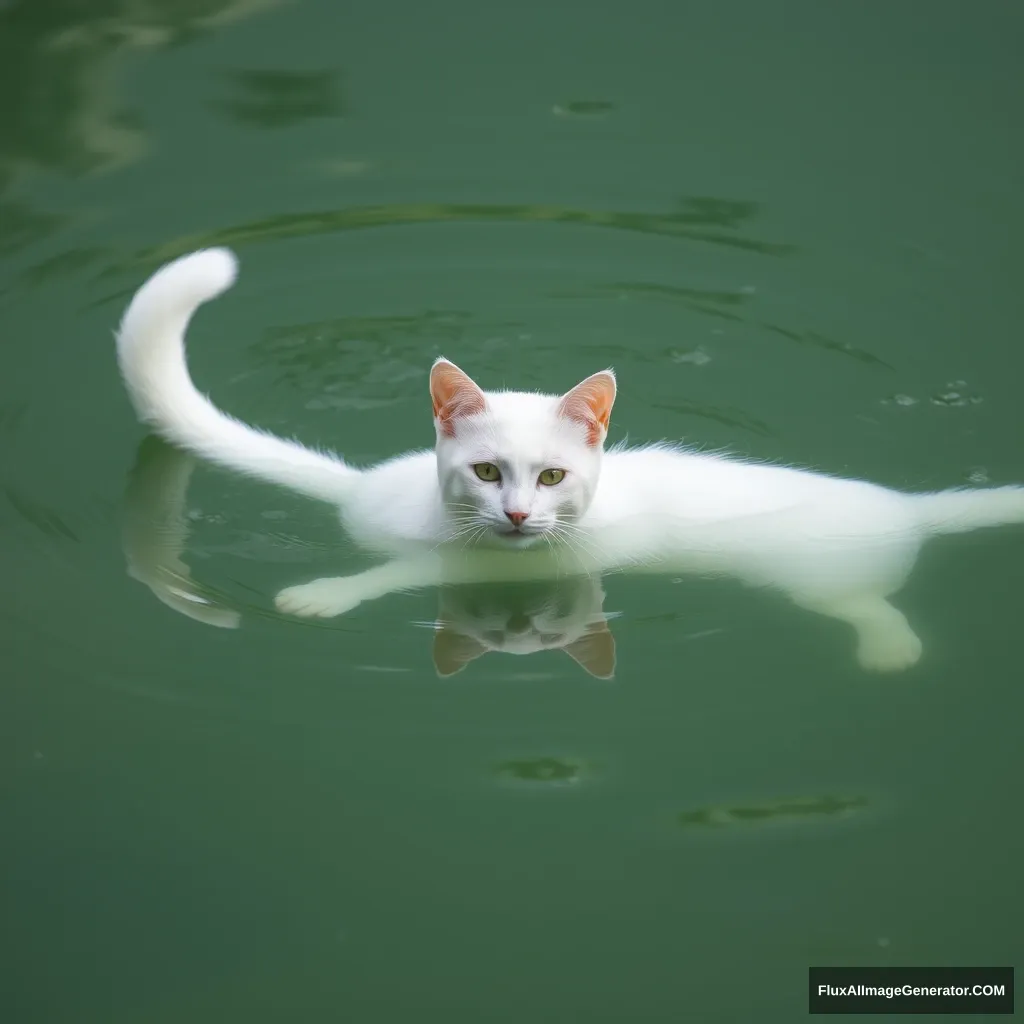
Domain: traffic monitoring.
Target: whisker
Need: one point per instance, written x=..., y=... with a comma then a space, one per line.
x=582, y=544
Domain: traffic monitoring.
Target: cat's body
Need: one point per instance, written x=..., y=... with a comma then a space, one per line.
x=519, y=486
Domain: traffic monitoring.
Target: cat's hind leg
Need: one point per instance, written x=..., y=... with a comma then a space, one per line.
x=885, y=640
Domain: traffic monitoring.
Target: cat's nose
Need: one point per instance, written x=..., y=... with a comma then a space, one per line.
x=518, y=518
x=518, y=623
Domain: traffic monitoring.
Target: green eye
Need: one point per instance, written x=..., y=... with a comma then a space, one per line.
x=487, y=471
x=550, y=477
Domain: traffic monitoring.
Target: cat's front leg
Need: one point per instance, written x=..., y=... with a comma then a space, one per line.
x=324, y=598
x=331, y=596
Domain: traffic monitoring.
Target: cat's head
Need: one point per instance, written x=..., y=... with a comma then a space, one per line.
x=516, y=467
x=521, y=619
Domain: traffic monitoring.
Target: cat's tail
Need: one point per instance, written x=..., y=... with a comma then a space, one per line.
x=151, y=356
x=959, y=511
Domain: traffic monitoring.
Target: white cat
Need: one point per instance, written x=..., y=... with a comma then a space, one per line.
x=519, y=486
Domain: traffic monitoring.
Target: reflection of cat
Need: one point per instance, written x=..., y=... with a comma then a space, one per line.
x=519, y=487
x=59, y=68
x=154, y=530
x=524, y=618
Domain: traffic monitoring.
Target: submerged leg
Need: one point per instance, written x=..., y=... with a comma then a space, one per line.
x=334, y=595
x=885, y=640
x=325, y=598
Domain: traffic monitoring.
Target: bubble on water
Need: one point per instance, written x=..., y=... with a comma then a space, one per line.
x=696, y=357
x=583, y=108
x=978, y=475
x=343, y=167
x=196, y=515
x=955, y=395
x=900, y=400
x=543, y=770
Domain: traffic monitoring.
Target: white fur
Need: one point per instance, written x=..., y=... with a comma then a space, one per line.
x=151, y=354
x=835, y=546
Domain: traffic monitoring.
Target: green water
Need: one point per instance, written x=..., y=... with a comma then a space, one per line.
x=794, y=230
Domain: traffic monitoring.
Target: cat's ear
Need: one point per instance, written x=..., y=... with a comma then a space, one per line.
x=453, y=651
x=595, y=650
x=590, y=403
x=454, y=394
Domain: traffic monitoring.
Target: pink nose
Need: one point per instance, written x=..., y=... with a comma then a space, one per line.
x=518, y=518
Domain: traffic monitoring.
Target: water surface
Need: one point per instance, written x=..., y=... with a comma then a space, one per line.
x=793, y=229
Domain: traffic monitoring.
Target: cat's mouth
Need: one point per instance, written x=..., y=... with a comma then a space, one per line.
x=517, y=537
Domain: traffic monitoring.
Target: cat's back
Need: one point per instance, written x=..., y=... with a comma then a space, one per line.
x=698, y=485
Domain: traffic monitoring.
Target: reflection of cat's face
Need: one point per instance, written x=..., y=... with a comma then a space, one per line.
x=523, y=619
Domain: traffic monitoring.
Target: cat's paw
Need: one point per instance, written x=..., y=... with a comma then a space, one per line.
x=321, y=599
x=889, y=651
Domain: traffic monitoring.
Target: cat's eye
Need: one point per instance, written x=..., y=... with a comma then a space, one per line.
x=550, y=477
x=487, y=471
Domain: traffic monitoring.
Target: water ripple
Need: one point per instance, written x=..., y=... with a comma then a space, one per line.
x=723, y=304
x=697, y=220
x=38, y=515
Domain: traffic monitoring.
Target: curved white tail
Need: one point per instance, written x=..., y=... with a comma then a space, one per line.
x=151, y=356
x=958, y=511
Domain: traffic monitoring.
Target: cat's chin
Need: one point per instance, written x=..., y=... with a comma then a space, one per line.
x=516, y=539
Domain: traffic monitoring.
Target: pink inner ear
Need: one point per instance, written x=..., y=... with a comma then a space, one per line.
x=595, y=651
x=453, y=651
x=453, y=394
x=590, y=403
